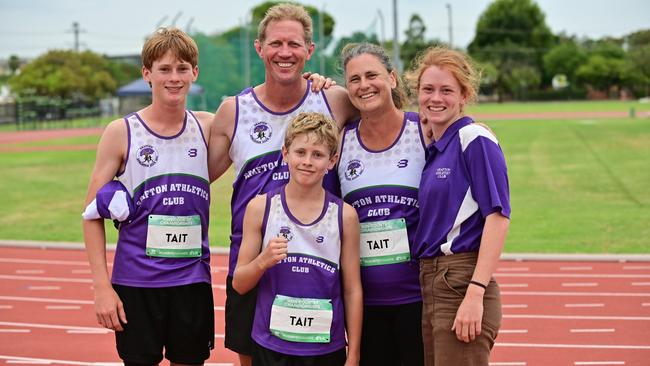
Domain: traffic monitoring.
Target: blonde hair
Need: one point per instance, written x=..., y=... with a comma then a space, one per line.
x=286, y=11
x=459, y=64
x=324, y=129
x=352, y=50
x=172, y=39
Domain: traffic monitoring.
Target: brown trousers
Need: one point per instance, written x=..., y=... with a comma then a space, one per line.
x=444, y=281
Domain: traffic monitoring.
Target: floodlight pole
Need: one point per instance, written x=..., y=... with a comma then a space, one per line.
x=451, y=38
x=396, y=52
x=321, y=39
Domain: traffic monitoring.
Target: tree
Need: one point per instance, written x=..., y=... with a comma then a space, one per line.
x=601, y=72
x=565, y=58
x=14, y=64
x=81, y=76
x=636, y=72
x=415, y=41
x=511, y=34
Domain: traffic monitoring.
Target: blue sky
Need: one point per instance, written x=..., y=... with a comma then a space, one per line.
x=117, y=27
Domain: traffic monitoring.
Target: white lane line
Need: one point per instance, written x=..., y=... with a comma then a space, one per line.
x=21, y=362
x=514, y=306
x=513, y=331
x=6, y=307
x=15, y=331
x=579, y=284
x=578, y=346
x=51, y=326
x=576, y=268
x=80, y=271
x=219, y=308
x=45, y=299
x=84, y=331
x=513, y=269
x=599, y=363
x=603, y=330
x=215, y=269
x=216, y=335
x=220, y=287
x=571, y=275
x=43, y=288
x=515, y=363
x=640, y=283
x=49, y=361
x=567, y=293
x=44, y=261
x=584, y=305
x=29, y=271
x=52, y=279
x=645, y=304
x=62, y=307
x=636, y=267
x=574, y=317
x=513, y=285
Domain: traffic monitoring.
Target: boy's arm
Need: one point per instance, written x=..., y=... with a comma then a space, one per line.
x=111, y=153
x=221, y=130
x=342, y=108
x=251, y=263
x=352, y=293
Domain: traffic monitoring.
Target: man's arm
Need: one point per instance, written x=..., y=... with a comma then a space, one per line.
x=221, y=130
x=352, y=292
x=111, y=153
x=342, y=108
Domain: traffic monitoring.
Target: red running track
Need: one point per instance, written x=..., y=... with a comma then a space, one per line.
x=555, y=313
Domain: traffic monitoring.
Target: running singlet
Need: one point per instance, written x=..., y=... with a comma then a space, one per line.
x=166, y=244
x=299, y=307
x=383, y=187
x=256, y=155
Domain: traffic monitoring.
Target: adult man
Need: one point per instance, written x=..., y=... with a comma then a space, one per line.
x=250, y=128
x=161, y=272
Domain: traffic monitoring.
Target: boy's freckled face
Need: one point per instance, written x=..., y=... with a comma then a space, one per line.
x=307, y=159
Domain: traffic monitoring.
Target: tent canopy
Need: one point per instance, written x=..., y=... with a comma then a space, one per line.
x=141, y=87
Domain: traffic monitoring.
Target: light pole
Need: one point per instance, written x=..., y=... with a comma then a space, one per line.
x=321, y=39
x=396, y=59
x=451, y=38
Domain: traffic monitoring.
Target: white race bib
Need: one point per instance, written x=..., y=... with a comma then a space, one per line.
x=174, y=236
x=384, y=242
x=297, y=319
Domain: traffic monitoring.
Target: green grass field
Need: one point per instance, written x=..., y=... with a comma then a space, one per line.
x=577, y=186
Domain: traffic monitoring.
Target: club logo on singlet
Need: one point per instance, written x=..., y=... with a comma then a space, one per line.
x=286, y=233
x=147, y=155
x=261, y=132
x=354, y=169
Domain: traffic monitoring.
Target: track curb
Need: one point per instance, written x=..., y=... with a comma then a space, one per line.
x=566, y=257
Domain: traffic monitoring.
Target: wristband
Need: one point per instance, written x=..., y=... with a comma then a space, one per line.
x=478, y=284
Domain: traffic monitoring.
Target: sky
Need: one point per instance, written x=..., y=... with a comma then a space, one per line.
x=29, y=28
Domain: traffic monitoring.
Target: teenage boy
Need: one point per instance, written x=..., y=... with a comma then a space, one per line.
x=159, y=295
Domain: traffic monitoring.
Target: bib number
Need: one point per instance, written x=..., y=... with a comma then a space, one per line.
x=384, y=242
x=304, y=320
x=174, y=236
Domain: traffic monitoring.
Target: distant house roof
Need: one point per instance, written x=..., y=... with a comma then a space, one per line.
x=141, y=87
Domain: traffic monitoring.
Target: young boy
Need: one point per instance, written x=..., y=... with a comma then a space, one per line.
x=161, y=272
x=300, y=247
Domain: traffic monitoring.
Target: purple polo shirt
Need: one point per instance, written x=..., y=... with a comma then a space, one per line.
x=464, y=180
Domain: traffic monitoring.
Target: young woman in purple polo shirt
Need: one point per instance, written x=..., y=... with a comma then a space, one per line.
x=464, y=214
